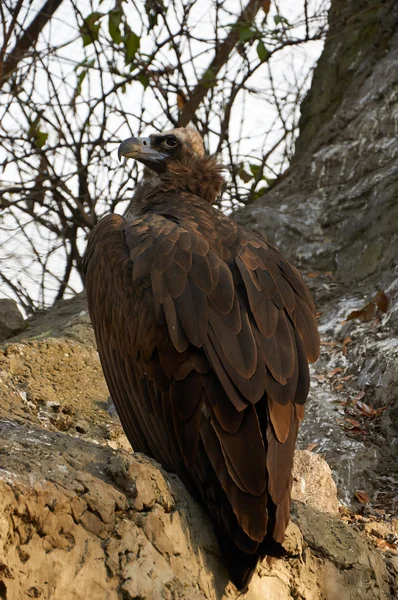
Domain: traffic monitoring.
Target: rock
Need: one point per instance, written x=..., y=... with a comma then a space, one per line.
x=122, y=528
x=119, y=525
x=335, y=214
x=313, y=483
x=11, y=320
x=67, y=319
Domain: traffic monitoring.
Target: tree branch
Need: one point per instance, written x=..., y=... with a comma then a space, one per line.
x=28, y=39
x=221, y=57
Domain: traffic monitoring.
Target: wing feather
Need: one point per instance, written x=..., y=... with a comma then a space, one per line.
x=204, y=332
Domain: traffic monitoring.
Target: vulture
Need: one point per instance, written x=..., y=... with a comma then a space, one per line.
x=204, y=332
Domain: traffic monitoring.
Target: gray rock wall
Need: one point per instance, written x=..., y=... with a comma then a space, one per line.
x=335, y=214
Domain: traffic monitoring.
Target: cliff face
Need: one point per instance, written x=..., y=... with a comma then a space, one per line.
x=82, y=517
x=335, y=214
x=336, y=208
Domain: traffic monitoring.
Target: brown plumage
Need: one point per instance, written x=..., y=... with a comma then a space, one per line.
x=204, y=331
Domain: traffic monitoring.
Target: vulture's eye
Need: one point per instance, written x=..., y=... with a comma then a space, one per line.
x=171, y=142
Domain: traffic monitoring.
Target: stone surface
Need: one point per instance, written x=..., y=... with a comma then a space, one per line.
x=81, y=520
x=11, y=320
x=80, y=515
x=335, y=214
x=313, y=482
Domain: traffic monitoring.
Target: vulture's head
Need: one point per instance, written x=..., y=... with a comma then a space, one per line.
x=177, y=161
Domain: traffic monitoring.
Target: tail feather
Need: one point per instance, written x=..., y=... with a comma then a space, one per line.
x=240, y=565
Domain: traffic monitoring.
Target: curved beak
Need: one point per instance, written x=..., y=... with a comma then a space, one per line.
x=141, y=149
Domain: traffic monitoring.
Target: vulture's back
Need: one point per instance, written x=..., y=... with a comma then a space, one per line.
x=204, y=333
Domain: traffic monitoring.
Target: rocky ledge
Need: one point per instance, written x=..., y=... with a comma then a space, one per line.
x=83, y=517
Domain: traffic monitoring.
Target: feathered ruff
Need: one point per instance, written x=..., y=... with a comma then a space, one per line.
x=200, y=176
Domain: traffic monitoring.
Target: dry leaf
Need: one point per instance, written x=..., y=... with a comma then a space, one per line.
x=363, y=314
x=310, y=447
x=379, y=511
x=181, y=100
x=266, y=6
x=362, y=496
x=365, y=409
x=346, y=341
x=321, y=377
x=381, y=301
x=353, y=422
x=333, y=372
x=366, y=313
x=359, y=396
x=353, y=426
x=383, y=545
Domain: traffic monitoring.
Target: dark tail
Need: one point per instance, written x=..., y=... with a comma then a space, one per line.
x=240, y=565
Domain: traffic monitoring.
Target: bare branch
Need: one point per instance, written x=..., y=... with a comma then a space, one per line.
x=221, y=57
x=27, y=40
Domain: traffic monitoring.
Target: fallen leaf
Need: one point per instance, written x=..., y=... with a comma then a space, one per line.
x=353, y=426
x=379, y=411
x=310, y=447
x=383, y=545
x=366, y=313
x=321, y=377
x=347, y=377
x=362, y=496
x=352, y=422
x=333, y=372
x=363, y=314
x=382, y=301
x=346, y=341
x=359, y=396
x=365, y=409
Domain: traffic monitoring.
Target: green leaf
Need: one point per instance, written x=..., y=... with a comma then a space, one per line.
x=80, y=78
x=144, y=79
x=243, y=174
x=114, y=20
x=153, y=9
x=262, y=51
x=246, y=34
x=131, y=45
x=255, y=169
x=208, y=78
x=90, y=28
x=92, y=18
x=38, y=137
x=279, y=19
x=258, y=193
